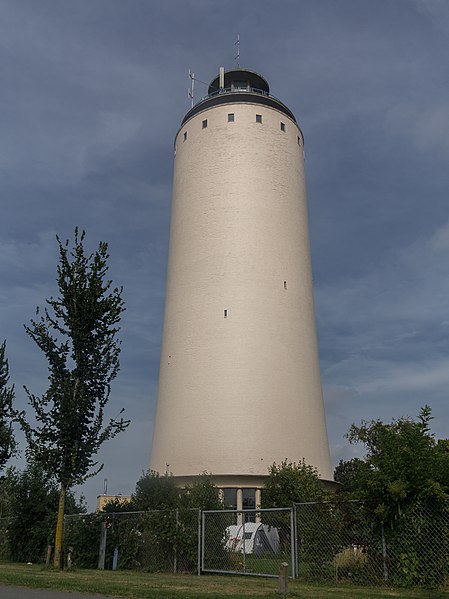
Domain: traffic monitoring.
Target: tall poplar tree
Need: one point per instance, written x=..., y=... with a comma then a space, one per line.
x=7, y=442
x=77, y=332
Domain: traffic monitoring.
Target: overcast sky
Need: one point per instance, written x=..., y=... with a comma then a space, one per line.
x=92, y=93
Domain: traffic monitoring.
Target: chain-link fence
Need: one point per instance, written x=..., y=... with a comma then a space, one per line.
x=159, y=540
x=417, y=545
x=325, y=542
x=338, y=541
x=344, y=541
x=252, y=542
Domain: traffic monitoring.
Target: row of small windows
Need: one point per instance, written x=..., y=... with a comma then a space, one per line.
x=231, y=119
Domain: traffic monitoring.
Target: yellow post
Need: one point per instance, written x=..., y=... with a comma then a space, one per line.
x=59, y=529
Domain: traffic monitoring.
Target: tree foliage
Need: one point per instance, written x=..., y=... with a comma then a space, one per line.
x=352, y=474
x=7, y=441
x=156, y=492
x=291, y=482
x=403, y=462
x=7, y=482
x=33, y=501
x=77, y=333
x=160, y=492
x=202, y=494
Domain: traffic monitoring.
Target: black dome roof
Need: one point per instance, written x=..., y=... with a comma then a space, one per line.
x=239, y=76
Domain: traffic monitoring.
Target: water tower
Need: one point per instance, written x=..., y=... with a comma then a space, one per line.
x=239, y=383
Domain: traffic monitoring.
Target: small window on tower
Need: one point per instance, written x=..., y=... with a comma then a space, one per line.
x=258, y=118
x=282, y=126
x=231, y=117
x=299, y=141
x=225, y=313
x=185, y=135
x=285, y=284
x=205, y=124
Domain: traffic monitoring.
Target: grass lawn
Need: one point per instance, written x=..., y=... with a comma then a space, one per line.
x=142, y=585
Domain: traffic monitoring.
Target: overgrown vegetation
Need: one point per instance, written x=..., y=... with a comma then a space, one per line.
x=163, y=528
x=291, y=482
x=404, y=462
x=34, y=505
x=404, y=481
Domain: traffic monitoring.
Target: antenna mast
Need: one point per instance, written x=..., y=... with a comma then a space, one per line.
x=191, y=90
x=237, y=56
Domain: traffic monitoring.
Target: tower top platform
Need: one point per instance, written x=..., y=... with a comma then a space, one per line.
x=239, y=86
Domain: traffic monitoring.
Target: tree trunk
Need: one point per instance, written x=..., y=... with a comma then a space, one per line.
x=59, y=529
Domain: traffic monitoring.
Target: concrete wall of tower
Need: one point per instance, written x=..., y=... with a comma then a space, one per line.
x=239, y=384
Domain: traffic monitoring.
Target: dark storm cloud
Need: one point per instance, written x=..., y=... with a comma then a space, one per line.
x=92, y=96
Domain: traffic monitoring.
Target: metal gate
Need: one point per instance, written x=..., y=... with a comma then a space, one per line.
x=248, y=542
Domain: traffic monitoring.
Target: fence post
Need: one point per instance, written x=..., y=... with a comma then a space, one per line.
x=295, y=569
x=48, y=558
x=69, y=557
x=203, y=528
x=384, y=552
x=102, y=552
x=292, y=542
x=115, y=559
x=283, y=579
x=175, y=548
x=199, y=542
x=243, y=541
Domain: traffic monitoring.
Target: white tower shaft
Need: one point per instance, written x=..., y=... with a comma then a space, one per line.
x=239, y=383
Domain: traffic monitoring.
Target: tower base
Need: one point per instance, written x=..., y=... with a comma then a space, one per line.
x=242, y=491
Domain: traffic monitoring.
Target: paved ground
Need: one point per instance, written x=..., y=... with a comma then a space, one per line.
x=7, y=592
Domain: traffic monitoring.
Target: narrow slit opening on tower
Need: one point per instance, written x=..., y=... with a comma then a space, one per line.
x=285, y=284
x=225, y=313
x=204, y=123
x=185, y=135
x=283, y=127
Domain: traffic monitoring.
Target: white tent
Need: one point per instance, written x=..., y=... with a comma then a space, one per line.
x=252, y=537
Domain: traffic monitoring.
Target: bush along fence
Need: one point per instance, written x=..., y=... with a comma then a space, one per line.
x=344, y=541
x=321, y=541
x=155, y=541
